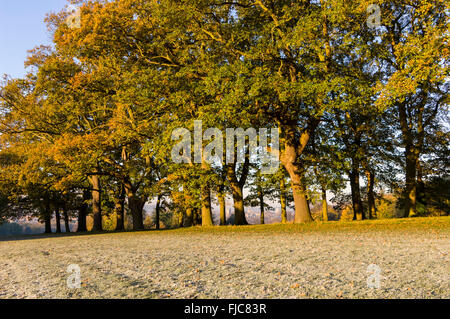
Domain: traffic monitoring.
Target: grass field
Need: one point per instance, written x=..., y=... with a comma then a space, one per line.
x=319, y=260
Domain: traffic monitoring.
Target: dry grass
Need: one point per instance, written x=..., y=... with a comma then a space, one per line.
x=319, y=260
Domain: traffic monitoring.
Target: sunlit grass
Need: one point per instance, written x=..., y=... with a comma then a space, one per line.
x=419, y=224
x=425, y=223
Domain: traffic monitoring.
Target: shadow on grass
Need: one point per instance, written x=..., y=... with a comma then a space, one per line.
x=71, y=234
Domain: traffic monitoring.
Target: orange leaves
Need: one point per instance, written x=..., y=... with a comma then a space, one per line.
x=70, y=146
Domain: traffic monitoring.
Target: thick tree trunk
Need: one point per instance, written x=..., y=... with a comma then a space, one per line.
x=136, y=205
x=190, y=217
x=157, y=211
x=358, y=210
x=96, y=203
x=302, y=211
x=48, y=223
x=120, y=210
x=283, y=200
x=120, y=215
x=289, y=158
x=66, y=219
x=82, y=213
x=324, y=205
x=238, y=196
x=370, y=194
x=206, y=207
x=238, y=204
x=58, y=220
x=222, y=209
x=237, y=186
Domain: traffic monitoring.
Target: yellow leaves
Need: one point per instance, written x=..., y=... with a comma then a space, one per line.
x=400, y=85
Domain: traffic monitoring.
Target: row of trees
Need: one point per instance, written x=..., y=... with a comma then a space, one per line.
x=89, y=128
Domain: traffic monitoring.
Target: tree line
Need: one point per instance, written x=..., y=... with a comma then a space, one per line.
x=88, y=130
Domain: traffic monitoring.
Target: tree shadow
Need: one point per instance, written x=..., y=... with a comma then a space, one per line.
x=71, y=234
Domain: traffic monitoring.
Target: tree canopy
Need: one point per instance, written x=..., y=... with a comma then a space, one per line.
x=88, y=131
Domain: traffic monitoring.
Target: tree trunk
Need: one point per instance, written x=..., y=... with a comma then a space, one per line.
x=58, y=220
x=302, y=211
x=289, y=157
x=420, y=190
x=48, y=223
x=96, y=203
x=411, y=184
x=47, y=216
x=222, y=209
x=370, y=194
x=261, y=203
x=197, y=217
x=237, y=186
x=412, y=153
x=136, y=205
x=181, y=219
x=238, y=204
x=157, y=208
x=324, y=205
x=206, y=207
x=190, y=211
x=120, y=210
x=358, y=210
x=190, y=217
x=283, y=200
x=238, y=197
x=66, y=218
x=82, y=213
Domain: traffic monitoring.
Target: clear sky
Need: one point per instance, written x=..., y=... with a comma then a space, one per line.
x=22, y=28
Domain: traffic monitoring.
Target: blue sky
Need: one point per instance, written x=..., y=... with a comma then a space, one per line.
x=22, y=28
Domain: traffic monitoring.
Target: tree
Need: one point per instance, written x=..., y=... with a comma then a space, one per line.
x=414, y=56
